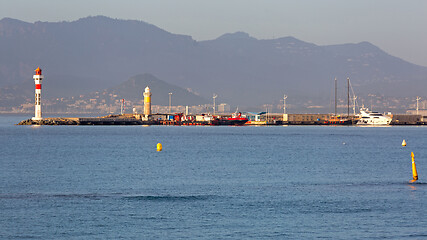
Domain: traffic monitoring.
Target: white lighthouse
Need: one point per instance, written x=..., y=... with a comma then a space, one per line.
x=38, y=77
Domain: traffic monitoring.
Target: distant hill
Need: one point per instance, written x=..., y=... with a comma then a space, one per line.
x=98, y=53
x=133, y=88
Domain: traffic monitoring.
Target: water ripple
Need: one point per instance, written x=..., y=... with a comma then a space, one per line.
x=170, y=198
x=95, y=196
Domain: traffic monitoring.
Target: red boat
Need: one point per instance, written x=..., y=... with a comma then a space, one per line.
x=338, y=121
x=236, y=120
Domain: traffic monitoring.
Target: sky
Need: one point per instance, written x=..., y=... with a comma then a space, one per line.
x=396, y=26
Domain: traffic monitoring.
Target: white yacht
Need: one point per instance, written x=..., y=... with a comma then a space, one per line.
x=373, y=118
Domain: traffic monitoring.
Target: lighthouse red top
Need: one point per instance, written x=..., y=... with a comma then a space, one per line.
x=38, y=71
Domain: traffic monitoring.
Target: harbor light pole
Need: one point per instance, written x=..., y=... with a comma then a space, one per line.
x=170, y=102
x=122, y=106
x=418, y=98
x=284, y=104
x=354, y=105
x=214, y=97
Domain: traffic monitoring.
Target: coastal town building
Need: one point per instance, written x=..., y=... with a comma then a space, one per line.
x=224, y=108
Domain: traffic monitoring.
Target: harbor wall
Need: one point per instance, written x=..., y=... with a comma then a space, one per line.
x=406, y=119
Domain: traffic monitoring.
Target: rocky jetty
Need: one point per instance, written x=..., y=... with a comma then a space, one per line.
x=51, y=121
x=124, y=119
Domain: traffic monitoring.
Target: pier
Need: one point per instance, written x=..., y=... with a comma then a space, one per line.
x=194, y=120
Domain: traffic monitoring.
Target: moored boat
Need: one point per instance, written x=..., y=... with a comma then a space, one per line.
x=373, y=118
x=236, y=119
x=334, y=120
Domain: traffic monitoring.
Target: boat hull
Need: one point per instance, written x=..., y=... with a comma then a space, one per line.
x=373, y=123
x=339, y=122
x=230, y=122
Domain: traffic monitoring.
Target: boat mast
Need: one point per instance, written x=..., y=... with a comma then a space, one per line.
x=348, y=97
x=335, y=96
x=354, y=99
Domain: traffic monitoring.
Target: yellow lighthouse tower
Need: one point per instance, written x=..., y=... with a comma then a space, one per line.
x=147, y=102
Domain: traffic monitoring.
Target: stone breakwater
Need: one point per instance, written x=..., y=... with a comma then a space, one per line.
x=51, y=121
x=107, y=120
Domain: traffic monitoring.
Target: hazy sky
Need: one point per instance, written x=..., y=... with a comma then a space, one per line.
x=396, y=26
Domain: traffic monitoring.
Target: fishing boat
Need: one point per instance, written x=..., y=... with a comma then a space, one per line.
x=372, y=118
x=236, y=119
x=337, y=120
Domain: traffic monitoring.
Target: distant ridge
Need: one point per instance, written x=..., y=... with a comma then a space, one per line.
x=98, y=52
x=133, y=88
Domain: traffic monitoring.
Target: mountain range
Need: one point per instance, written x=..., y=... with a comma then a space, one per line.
x=97, y=53
x=133, y=88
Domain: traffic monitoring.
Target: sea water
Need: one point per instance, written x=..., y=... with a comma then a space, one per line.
x=276, y=182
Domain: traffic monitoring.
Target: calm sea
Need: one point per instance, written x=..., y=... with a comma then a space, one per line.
x=294, y=182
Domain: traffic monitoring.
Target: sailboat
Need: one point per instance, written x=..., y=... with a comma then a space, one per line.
x=337, y=119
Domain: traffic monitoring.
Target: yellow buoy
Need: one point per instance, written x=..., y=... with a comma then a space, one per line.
x=159, y=147
x=404, y=143
x=414, y=169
